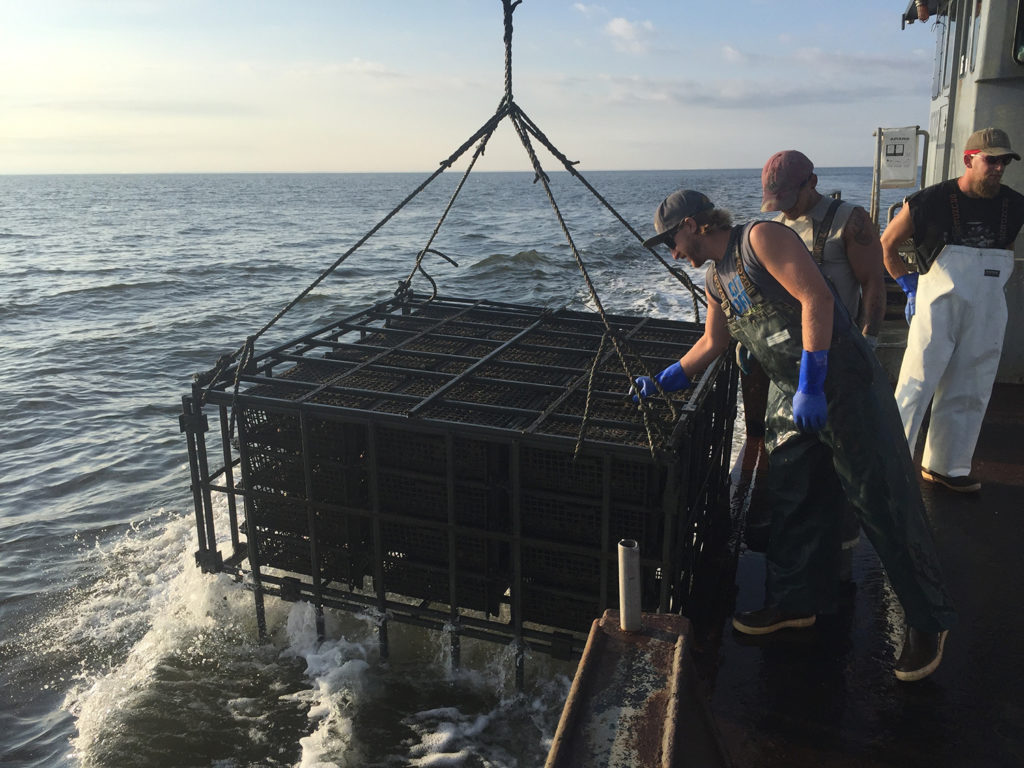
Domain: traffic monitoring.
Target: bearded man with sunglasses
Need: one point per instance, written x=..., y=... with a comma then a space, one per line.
x=963, y=232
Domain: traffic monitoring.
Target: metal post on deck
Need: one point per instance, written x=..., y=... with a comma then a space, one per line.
x=876, y=176
x=629, y=586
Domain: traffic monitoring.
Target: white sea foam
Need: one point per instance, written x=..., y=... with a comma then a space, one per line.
x=445, y=736
x=337, y=670
x=152, y=614
x=152, y=592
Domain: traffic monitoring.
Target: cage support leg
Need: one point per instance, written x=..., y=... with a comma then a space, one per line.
x=261, y=612
x=520, y=666
x=382, y=638
x=456, y=650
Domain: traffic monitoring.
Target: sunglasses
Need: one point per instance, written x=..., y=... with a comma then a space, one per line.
x=1003, y=160
x=669, y=235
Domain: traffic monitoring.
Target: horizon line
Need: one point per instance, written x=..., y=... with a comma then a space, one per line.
x=377, y=173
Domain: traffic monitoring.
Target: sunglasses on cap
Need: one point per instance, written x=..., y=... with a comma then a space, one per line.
x=1003, y=160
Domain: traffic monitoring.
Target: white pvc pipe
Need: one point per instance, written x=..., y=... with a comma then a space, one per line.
x=629, y=586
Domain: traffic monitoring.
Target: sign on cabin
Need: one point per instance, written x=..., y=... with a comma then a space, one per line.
x=898, y=158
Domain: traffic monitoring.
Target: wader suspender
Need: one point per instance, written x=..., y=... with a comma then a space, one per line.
x=818, y=252
x=748, y=285
x=954, y=204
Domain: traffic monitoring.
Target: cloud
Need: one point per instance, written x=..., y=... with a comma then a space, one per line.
x=369, y=68
x=747, y=95
x=588, y=10
x=732, y=55
x=167, y=107
x=353, y=66
x=742, y=94
x=629, y=36
x=815, y=60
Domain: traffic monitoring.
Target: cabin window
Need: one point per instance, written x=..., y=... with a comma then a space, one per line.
x=945, y=50
x=975, y=31
x=949, y=58
x=940, y=46
x=1018, y=37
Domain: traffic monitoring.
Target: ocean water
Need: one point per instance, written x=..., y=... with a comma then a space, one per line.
x=115, y=650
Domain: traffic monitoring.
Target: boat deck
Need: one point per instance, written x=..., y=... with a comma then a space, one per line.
x=826, y=696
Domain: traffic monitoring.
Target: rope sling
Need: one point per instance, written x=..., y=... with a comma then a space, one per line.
x=525, y=128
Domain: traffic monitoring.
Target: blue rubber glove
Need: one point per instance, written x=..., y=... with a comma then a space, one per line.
x=810, y=411
x=743, y=358
x=908, y=283
x=671, y=379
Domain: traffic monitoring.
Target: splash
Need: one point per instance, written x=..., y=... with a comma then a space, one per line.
x=171, y=673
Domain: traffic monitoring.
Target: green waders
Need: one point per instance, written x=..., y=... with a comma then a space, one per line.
x=863, y=438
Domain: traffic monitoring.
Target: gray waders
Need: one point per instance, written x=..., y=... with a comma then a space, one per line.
x=863, y=438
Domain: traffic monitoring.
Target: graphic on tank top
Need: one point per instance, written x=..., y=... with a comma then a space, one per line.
x=738, y=296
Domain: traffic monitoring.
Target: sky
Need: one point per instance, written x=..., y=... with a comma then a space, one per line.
x=151, y=86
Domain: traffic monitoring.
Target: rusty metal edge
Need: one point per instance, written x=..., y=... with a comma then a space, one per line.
x=574, y=701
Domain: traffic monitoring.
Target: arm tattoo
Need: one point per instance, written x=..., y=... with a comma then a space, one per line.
x=861, y=228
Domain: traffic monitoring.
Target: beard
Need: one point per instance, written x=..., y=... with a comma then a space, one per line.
x=695, y=254
x=988, y=186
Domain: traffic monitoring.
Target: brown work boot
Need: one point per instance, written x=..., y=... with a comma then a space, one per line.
x=921, y=654
x=960, y=484
x=770, y=619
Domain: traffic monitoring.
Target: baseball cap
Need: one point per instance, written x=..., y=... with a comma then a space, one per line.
x=680, y=205
x=781, y=179
x=991, y=141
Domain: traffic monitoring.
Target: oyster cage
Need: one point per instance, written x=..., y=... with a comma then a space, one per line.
x=418, y=458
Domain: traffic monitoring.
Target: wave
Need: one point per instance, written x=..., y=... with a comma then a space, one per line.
x=119, y=288
x=529, y=258
x=164, y=668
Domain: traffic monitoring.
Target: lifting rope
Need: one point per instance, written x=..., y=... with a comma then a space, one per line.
x=525, y=129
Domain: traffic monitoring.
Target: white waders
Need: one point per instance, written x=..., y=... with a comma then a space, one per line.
x=953, y=348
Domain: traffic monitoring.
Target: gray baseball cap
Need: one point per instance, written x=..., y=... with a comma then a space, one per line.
x=991, y=141
x=674, y=209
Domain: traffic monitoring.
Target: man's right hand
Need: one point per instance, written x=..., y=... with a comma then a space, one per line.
x=908, y=283
x=810, y=408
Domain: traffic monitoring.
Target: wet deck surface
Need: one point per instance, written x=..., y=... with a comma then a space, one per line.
x=826, y=696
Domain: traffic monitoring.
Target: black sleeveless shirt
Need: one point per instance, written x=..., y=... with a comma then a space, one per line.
x=990, y=222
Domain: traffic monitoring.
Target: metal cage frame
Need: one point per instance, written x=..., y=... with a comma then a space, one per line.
x=462, y=465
